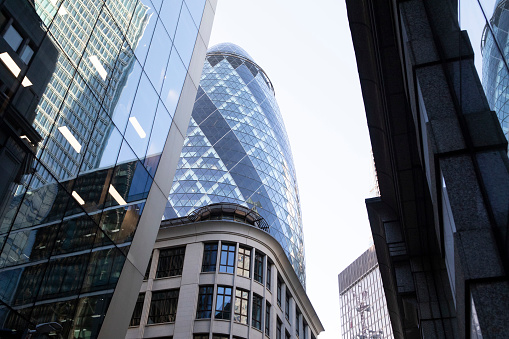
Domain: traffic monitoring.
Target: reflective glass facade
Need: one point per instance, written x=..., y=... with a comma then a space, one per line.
x=103, y=117
x=495, y=71
x=237, y=150
x=363, y=306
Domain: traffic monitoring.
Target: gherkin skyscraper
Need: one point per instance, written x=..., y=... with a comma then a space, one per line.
x=237, y=150
x=495, y=72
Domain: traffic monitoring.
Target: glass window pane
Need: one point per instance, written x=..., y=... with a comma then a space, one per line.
x=196, y=9
x=104, y=269
x=169, y=14
x=90, y=315
x=110, y=147
x=158, y=55
x=146, y=18
x=171, y=262
x=26, y=55
x=13, y=38
x=186, y=36
x=163, y=306
x=156, y=4
x=138, y=309
x=122, y=107
x=73, y=41
x=75, y=234
x=173, y=82
x=158, y=137
x=142, y=117
x=119, y=225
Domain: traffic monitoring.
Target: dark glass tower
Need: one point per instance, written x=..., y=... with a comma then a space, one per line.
x=237, y=150
x=495, y=71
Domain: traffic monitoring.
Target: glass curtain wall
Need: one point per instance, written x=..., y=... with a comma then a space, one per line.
x=487, y=24
x=104, y=115
x=237, y=150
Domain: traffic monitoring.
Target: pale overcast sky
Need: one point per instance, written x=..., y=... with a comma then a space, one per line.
x=306, y=50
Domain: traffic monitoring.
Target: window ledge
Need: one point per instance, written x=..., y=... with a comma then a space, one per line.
x=168, y=277
x=226, y=273
x=224, y=320
x=254, y=328
x=165, y=323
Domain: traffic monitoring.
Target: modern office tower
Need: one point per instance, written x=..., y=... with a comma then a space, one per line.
x=228, y=262
x=219, y=273
x=18, y=137
x=440, y=224
x=362, y=300
x=112, y=85
x=495, y=69
x=237, y=150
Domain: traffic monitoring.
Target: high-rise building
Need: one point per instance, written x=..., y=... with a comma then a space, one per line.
x=237, y=150
x=495, y=70
x=106, y=87
x=229, y=262
x=363, y=307
x=440, y=223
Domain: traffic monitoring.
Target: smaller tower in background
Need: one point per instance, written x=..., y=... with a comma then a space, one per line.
x=362, y=300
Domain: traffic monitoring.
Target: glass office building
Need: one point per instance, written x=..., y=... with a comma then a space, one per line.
x=74, y=228
x=237, y=150
x=362, y=300
x=495, y=70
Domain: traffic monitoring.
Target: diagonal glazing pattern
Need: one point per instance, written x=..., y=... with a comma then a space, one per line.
x=237, y=150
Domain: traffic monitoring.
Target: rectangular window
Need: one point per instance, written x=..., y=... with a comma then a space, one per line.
x=244, y=262
x=201, y=336
x=138, y=309
x=278, y=328
x=241, y=306
x=163, y=306
x=287, y=335
x=278, y=292
x=171, y=262
x=223, y=302
x=287, y=305
x=209, y=258
x=26, y=54
x=227, y=258
x=13, y=38
x=297, y=323
x=258, y=269
x=267, y=319
x=147, y=272
x=257, y=311
x=269, y=275
x=204, y=309
x=305, y=329
x=220, y=336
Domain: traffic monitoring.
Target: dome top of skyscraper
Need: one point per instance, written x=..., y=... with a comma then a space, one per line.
x=229, y=48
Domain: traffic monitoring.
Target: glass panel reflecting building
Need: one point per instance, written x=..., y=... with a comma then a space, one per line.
x=237, y=150
x=495, y=69
x=94, y=90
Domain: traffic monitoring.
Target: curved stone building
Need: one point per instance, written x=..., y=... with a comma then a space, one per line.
x=495, y=71
x=218, y=274
x=237, y=150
